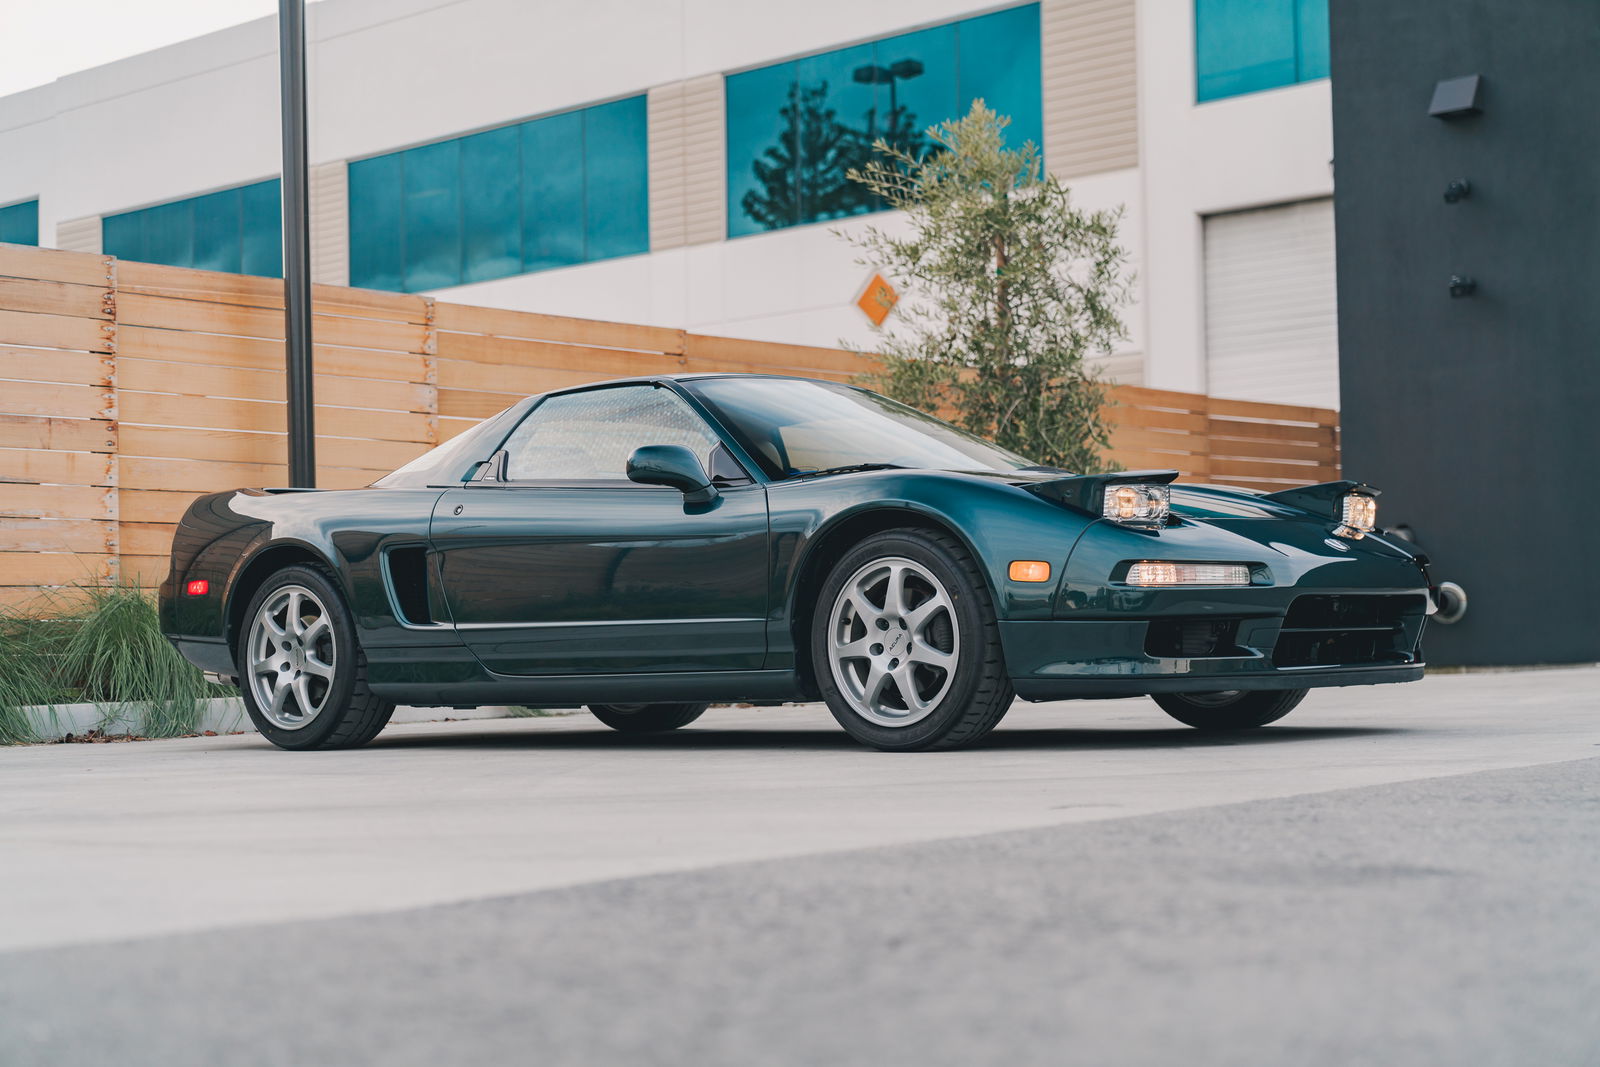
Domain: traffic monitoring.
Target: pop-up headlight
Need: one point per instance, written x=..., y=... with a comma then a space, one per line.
x=1359, y=511
x=1137, y=504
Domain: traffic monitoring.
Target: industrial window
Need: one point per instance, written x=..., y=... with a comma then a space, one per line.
x=546, y=193
x=796, y=128
x=1244, y=46
x=237, y=230
x=19, y=223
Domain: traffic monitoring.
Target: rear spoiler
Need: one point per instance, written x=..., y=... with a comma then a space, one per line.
x=1087, y=492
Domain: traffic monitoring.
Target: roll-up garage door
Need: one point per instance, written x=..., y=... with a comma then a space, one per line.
x=1271, y=316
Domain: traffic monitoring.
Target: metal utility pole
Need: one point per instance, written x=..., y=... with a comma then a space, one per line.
x=296, y=245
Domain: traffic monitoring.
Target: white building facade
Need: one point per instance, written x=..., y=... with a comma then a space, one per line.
x=666, y=161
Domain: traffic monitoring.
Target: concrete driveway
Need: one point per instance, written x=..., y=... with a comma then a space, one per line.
x=1094, y=828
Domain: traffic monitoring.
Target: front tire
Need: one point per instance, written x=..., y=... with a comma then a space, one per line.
x=647, y=718
x=1233, y=710
x=905, y=646
x=301, y=669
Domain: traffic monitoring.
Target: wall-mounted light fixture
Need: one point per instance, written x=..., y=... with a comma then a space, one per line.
x=1462, y=285
x=1456, y=97
x=1458, y=189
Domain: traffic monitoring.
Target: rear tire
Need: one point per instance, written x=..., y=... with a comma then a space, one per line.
x=1233, y=710
x=301, y=668
x=905, y=647
x=647, y=718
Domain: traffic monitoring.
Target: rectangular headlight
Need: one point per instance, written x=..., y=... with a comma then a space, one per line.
x=1148, y=574
x=1137, y=504
x=1359, y=510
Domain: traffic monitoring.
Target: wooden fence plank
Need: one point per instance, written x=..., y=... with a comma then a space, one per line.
x=232, y=446
x=52, y=568
x=55, y=535
x=55, y=331
x=55, y=401
x=238, y=321
x=150, y=279
x=49, y=264
x=146, y=538
x=52, y=365
x=252, y=353
x=464, y=318
x=1324, y=436
x=55, y=298
x=496, y=353
x=767, y=353
x=57, y=501
x=154, y=409
x=54, y=467
x=1254, y=409
x=76, y=435
x=138, y=505
x=188, y=380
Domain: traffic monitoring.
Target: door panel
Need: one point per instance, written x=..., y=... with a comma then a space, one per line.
x=605, y=579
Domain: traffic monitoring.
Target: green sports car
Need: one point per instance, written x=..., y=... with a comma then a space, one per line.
x=647, y=546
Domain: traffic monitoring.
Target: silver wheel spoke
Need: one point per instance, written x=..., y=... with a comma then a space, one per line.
x=316, y=630
x=919, y=616
x=926, y=653
x=894, y=592
x=302, y=695
x=877, y=679
x=907, y=684
x=853, y=649
x=280, y=698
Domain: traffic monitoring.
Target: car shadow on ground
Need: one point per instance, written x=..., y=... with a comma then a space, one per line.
x=824, y=738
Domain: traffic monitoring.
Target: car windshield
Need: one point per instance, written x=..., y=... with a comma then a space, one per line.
x=793, y=427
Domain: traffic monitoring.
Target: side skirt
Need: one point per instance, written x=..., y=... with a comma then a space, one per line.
x=571, y=689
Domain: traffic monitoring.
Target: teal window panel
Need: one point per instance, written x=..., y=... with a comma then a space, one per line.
x=377, y=238
x=1311, y=39
x=261, y=229
x=795, y=129
x=432, y=208
x=19, y=223
x=552, y=192
x=218, y=235
x=239, y=231
x=491, y=210
x=1246, y=46
x=1001, y=64
x=616, y=180
x=545, y=193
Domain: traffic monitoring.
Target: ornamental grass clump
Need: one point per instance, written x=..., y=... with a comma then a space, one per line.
x=103, y=645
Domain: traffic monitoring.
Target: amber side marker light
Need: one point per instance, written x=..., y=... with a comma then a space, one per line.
x=1029, y=570
x=198, y=587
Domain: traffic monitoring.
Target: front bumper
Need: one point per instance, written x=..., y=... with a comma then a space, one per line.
x=1066, y=658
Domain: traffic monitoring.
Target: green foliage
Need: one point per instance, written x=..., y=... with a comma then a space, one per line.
x=1009, y=287
x=103, y=646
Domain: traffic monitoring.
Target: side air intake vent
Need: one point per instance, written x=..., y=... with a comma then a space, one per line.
x=408, y=578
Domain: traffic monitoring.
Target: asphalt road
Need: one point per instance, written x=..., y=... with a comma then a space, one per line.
x=1391, y=876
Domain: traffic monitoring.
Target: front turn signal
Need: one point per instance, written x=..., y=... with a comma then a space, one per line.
x=1029, y=570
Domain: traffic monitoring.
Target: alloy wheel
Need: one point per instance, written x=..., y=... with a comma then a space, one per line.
x=293, y=657
x=893, y=641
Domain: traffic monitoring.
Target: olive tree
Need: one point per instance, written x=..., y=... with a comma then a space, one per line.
x=1008, y=288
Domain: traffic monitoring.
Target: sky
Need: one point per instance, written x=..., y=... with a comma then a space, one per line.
x=45, y=39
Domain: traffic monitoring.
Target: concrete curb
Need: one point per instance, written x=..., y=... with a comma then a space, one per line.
x=224, y=715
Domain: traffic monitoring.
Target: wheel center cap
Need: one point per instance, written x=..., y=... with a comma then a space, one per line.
x=896, y=640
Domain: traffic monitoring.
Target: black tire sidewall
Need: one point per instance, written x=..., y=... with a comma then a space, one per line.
x=1253, y=708
x=649, y=719
x=974, y=616
x=347, y=656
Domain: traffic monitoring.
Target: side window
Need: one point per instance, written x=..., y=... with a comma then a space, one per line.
x=590, y=435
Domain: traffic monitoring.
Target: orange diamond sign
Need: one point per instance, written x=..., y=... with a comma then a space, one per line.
x=878, y=299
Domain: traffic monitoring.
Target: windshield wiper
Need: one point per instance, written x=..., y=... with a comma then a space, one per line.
x=849, y=469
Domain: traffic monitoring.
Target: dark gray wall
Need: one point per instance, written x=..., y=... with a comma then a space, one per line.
x=1478, y=417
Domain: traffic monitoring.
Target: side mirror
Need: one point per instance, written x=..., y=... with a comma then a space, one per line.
x=675, y=466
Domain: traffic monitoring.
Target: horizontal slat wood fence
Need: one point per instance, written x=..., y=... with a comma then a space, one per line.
x=126, y=389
